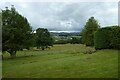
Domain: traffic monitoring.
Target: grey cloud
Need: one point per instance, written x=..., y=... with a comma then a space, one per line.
x=66, y=16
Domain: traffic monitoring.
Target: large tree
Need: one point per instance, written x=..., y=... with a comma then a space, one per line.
x=88, y=31
x=43, y=38
x=16, y=31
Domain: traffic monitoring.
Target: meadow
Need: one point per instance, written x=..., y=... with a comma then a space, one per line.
x=62, y=61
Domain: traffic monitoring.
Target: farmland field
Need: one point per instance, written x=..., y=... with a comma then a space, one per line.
x=62, y=61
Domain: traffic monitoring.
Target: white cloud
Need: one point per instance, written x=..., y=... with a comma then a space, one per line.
x=60, y=0
x=69, y=16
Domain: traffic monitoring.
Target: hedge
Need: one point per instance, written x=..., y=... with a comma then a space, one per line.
x=107, y=38
x=115, y=39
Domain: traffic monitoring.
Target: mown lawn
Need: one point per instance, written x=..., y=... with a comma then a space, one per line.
x=62, y=61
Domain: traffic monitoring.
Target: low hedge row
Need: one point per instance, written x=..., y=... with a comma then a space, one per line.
x=71, y=40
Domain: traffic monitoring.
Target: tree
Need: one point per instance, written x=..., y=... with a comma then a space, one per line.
x=88, y=31
x=16, y=31
x=43, y=39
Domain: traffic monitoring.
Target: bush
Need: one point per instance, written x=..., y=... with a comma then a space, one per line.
x=61, y=41
x=75, y=40
x=107, y=38
x=72, y=40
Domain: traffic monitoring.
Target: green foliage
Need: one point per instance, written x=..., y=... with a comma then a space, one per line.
x=16, y=31
x=102, y=38
x=75, y=40
x=72, y=40
x=43, y=38
x=61, y=41
x=88, y=31
x=108, y=37
x=115, y=37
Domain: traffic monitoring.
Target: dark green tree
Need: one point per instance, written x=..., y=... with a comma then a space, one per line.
x=88, y=31
x=16, y=31
x=43, y=38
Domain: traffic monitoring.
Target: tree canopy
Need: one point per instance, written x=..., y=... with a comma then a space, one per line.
x=88, y=31
x=16, y=31
x=43, y=39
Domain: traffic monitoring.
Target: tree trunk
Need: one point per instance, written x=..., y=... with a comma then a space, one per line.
x=13, y=54
x=38, y=47
x=42, y=48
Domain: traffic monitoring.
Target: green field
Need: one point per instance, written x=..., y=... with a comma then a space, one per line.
x=62, y=61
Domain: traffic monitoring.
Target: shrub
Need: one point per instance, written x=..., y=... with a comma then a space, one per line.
x=75, y=40
x=72, y=40
x=61, y=41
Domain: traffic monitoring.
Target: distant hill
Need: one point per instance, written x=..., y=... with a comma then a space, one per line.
x=65, y=34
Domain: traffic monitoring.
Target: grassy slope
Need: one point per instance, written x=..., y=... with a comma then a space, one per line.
x=70, y=62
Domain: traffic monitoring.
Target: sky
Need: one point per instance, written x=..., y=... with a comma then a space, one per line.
x=66, y=16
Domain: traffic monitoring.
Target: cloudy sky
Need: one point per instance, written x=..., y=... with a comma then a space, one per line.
x=66, y=16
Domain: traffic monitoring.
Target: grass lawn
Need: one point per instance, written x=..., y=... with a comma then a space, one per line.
x=62, y=61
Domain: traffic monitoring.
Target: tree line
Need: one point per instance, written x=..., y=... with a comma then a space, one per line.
x=17, y=34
